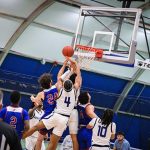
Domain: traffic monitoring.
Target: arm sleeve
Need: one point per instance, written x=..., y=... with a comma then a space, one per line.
x=92, y=122
x=25, y=115
x=113, y=128
x=2, y=113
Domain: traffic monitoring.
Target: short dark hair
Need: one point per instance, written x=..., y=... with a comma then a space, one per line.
x=15, y=97
x=68, y=85
x=120, y=133
x=73, y=77
x=83, y=98
x=45, y=80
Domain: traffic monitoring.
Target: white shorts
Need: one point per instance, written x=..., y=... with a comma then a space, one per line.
x=73, y=122
x=31, y=142
x=56, y=121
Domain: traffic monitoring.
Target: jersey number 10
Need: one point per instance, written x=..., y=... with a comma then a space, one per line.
x=102, y=131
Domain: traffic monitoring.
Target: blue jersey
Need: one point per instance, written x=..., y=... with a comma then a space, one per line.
x=15, y=116
x=49, y=102
x=84, y=119
x=84, y=134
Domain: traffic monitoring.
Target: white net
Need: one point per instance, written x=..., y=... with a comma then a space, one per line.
x=85, y=55
x=84, y=59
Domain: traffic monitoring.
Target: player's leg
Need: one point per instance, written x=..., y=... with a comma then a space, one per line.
x=30, y=143
x=84, y=138
x=35, y=128
x=73, y=128
x=60, y=127
x=54, y=139
x=74, y=141
x=39, y=142
x=88, y=138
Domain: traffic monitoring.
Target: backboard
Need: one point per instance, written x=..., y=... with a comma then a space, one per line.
x=112, y=29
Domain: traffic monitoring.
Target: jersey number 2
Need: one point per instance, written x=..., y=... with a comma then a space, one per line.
x=67, y=101
x=102, y=131
x=13, y=121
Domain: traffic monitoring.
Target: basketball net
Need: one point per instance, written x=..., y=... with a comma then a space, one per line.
x=85, y=55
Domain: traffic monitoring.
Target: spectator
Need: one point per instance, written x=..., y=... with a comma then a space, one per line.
x=121, y=143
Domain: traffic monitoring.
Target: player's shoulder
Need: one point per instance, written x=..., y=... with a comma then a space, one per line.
x=113, y=124
x=89, y=106
x=3, y=109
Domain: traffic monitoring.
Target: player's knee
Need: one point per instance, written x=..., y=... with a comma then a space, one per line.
x=35, y=128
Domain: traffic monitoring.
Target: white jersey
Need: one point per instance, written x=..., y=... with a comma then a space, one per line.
x=77, y=95
x=35, y=119
x=101, y=133
x=65, y=102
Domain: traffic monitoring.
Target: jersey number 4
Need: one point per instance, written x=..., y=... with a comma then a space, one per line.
x=102, y=131
x=67, y=101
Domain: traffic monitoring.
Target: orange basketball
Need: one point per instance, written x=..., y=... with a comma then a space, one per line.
x=68, y=51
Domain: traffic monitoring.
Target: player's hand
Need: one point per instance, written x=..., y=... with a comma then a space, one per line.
x=32, y=98
x=66, y=62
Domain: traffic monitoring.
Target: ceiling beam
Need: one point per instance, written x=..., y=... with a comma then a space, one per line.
x=23, y=26
x=127, y=89
x=145, y=5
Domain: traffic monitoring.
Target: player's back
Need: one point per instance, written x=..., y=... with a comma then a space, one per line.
x=102, y=133
x=66, y=102
x=84, y=119
x=15, y=117
x=49, y=102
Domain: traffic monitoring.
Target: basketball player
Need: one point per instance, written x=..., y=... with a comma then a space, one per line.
x=65, y=104
x=46, y=97
x=14, y=115
x=86, y=114
x=73, y=120
x=35, y=114
x=103, y=130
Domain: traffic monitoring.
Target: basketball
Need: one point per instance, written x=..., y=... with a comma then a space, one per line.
x=68, y=51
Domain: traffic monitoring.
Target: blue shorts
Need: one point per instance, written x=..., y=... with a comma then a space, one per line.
x=84, y=138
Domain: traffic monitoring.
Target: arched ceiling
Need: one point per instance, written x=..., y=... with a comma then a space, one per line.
x=46, y=26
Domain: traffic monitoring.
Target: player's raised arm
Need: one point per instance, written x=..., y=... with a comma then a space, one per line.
x=76, y=69
x=62, y=76
x=61, y=71
x=38, y=99
x=90, y=111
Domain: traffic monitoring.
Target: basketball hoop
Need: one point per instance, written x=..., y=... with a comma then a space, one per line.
x=86, y=54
